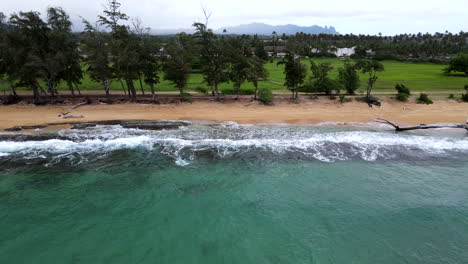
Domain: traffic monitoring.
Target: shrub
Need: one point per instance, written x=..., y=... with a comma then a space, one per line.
x=343, y=99
x=451, y=96
x=403, y=92
x=424, y=99
x=265, y=95
x=186, y=97
x=464, y=98
x=401, y=88
x=202, y=90
x=402, y=97
x=232, y=91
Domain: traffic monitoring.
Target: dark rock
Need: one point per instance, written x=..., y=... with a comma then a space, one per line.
x=13, y=129
x=155, y=125
x=30, y=137
x=34, y=127
x=83, y=125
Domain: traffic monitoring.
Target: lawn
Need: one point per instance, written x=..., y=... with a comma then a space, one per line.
x=418, y=77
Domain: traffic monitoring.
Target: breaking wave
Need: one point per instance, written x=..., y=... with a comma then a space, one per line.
x=218, y=141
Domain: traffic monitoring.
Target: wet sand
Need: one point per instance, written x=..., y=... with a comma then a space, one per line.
x=245, y=112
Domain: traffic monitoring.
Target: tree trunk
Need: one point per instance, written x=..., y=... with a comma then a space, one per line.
x=237, y=92
x=37, y=95
x=153, y=94
x=131, y=89
x=256, y=90
x=181, y=91
x=72, y=90
x=123, y=87
x=106, y=87
x=293, y=92
x=78, y=89
x=13, y=89
x=141, y=86
x=216, y=91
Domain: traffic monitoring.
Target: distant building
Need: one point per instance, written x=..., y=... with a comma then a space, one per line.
x=276, y=52
x=345, y=52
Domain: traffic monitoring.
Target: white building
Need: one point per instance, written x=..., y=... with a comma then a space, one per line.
x=345, y=52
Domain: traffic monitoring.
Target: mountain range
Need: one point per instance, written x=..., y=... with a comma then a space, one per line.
x=260, y=29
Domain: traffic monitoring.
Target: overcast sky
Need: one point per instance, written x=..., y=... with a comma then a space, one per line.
x=358, y=16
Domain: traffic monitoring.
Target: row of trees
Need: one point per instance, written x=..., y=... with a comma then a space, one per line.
x=319, y=81
x=34, y=52
x=407, y=45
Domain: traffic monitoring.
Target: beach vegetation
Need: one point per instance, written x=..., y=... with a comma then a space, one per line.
x=295, y=73
x=464, y=96
x=265, y=96
x=403, y=92
x=424, y=99
x=348, y=77
x=214, y=58
x=458, y=64
x=177, y=65
x=370, y=67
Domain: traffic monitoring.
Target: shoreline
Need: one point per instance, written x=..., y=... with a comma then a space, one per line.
x=243, y=112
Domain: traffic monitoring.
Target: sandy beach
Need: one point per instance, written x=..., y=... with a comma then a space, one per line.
x=245, y=112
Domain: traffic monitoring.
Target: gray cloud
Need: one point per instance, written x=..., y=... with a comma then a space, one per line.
x=358, y=16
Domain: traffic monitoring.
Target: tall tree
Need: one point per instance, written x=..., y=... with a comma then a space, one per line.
x=177, y=66
x=28, y=39
x=239, y=61
x=97, y=56
x=319, y=79
x=370, y=67
x=123, y=46
x=348, y=77
x=458, y=64
x=63, y=59
x=295, y=73
x=256, y=72
x=213, y=56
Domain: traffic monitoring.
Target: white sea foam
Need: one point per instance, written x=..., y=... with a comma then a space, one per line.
x=182, y=145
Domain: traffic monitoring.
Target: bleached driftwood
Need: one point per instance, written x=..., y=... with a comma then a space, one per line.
x=66, y=114
x=421, y=126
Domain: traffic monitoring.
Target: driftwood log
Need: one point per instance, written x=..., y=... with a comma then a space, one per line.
x=421, y=126
x=66, y=114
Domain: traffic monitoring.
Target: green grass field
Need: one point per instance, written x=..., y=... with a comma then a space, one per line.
x=418, y=77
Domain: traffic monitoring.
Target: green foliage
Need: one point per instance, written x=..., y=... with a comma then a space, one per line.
x=403, y=92
x=295, y=73
x=401, y=88
x=402, y=97
x=319, y=81
x=464, y=97
x=186, y=97
x=370, y=67
x=451, y=96
x=213, y=57
x=349, y=78
x=233, y=91
x=458, y=64
x=424, y=99
x=177, y=65
x=265, y=95
x=202, y=90
x=344, y=99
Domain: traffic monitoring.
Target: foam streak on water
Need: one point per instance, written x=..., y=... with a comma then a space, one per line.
x=323, y=143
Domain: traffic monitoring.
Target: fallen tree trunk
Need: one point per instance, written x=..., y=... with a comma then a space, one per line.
x=421, y=126
x=65, y=115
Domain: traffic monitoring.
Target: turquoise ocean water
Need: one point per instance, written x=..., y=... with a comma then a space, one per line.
x=228, y=193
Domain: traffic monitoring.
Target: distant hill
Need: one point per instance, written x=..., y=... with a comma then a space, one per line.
x=264, y=29
x=257, y=28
